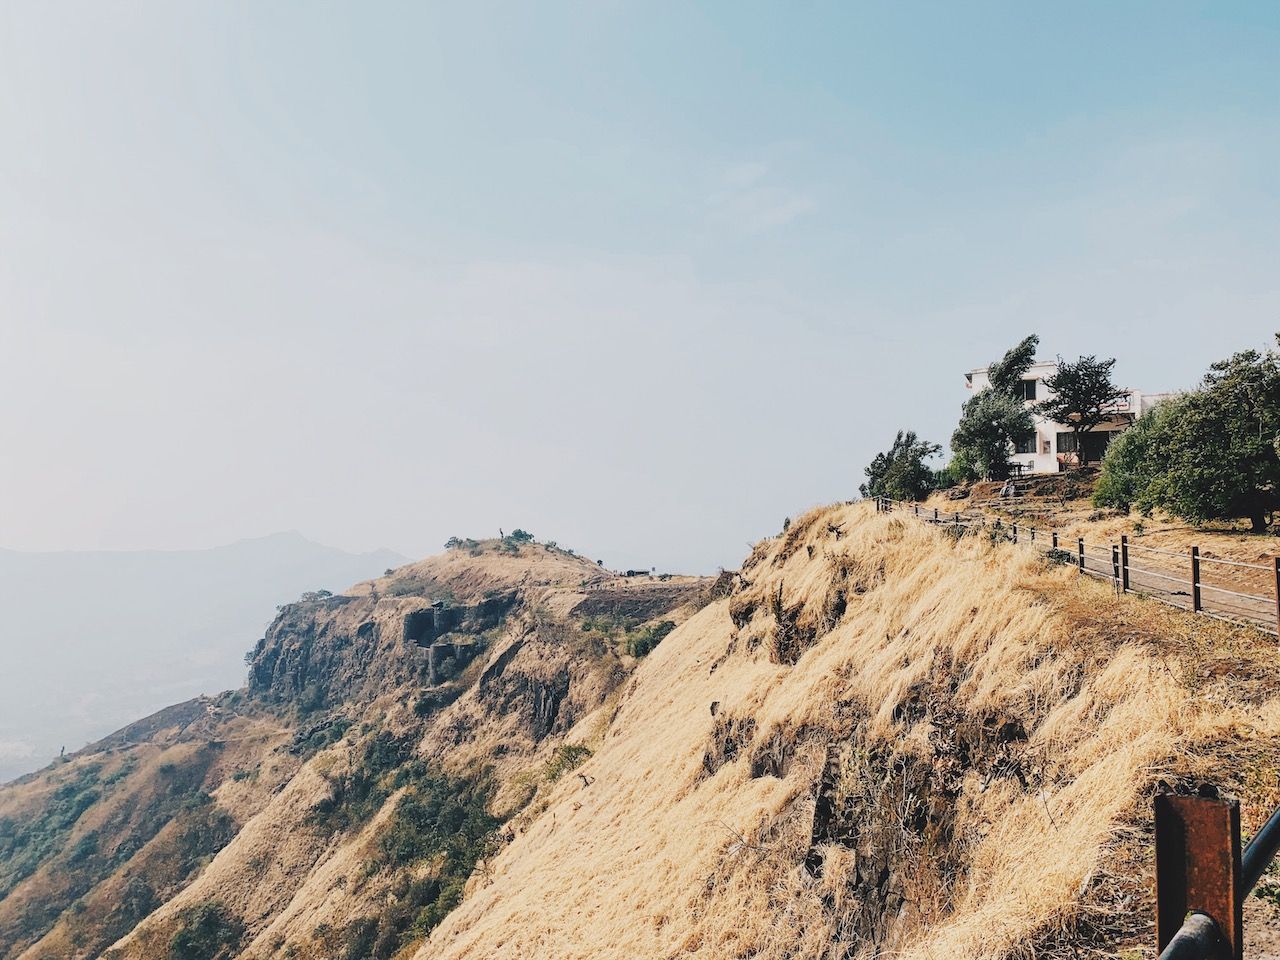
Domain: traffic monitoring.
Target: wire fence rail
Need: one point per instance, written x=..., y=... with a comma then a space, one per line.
x=1202, y=874
x=1230, y=590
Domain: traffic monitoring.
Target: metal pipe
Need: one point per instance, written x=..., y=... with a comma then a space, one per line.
x=1199, y=939
x=1195, y=579
x=1257, y=855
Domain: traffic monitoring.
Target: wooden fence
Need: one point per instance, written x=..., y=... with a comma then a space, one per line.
x=1230, y=590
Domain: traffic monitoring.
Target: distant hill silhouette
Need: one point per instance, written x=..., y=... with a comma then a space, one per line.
x=96, y=639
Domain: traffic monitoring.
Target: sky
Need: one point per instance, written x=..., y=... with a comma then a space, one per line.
x=642, y=278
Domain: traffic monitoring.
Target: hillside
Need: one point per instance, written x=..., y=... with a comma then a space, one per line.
x=876, y=738
x=118, y=634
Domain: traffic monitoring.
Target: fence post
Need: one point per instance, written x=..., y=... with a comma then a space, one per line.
x=1124, y=563
x=916, y=508
x=935, y=514
x=1015, y=533
x=1054, y=536
x=1198, y=869
x=1115, y=565
x=1195, y=579
x=1277, y=565
x=1080, y=547
x=1033, y=534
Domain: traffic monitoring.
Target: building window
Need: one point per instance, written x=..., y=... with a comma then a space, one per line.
x=1025, y=446
x=1028, y=389
x=1045, y=447
x=1066, y=443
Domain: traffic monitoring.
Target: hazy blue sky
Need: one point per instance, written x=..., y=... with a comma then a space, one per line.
x=643, y=278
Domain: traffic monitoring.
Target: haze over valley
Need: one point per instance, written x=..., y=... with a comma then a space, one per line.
x=103, y=638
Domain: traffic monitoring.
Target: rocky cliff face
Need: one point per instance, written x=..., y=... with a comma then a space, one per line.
x=384, y=737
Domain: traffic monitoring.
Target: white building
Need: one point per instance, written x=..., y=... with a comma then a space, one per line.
x=1052, y=450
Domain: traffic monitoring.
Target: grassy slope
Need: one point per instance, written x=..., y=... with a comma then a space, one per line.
x=867, y=746
x=988, y=730
x=352, y=855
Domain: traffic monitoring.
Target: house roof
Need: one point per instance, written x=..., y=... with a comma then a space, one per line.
x=1039, y=365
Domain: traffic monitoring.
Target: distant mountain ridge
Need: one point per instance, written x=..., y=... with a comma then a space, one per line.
x=98, y=638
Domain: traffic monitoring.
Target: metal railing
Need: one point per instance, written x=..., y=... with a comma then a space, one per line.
x=1230, y=590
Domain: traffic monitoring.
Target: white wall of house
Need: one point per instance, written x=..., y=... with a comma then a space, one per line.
x=1051, y=449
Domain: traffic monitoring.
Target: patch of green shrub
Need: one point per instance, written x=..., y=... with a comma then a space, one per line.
x=382, y=766
x=567, y=758
x=25, y=844
x=207, y=933
x=438, y=819
x=643, y=641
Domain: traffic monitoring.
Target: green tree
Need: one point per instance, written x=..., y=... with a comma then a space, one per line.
x=901, y=473
x=1083, y=395
x=1220, y=459
x=1134, y=459
x=1210, y=454
x=991, y=424
x=995, y=418
x=1006, y=373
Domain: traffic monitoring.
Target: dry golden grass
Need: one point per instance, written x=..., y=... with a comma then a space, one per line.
x=940, y=644
x=886, y=742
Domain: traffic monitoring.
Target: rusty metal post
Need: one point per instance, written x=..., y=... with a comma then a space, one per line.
x=1033, y=534
x=1015, y=533
x=935, y=514
x=1195, y=579
x=1198, y=867
x=1055, y=539
x=1080, y=548
x=1124, y=564
x=916, y=509
x=1115, y=565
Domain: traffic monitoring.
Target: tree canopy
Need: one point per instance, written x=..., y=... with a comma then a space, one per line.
x=991, y=424
x=995, y=418
x=1132, y=459
x=1006, y=373
x=901, y=472
x=1208, y=455
x=1083, y=394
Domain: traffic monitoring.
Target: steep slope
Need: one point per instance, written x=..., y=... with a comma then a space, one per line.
x=416, y=705
x=878, y=738
x=885, y=742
